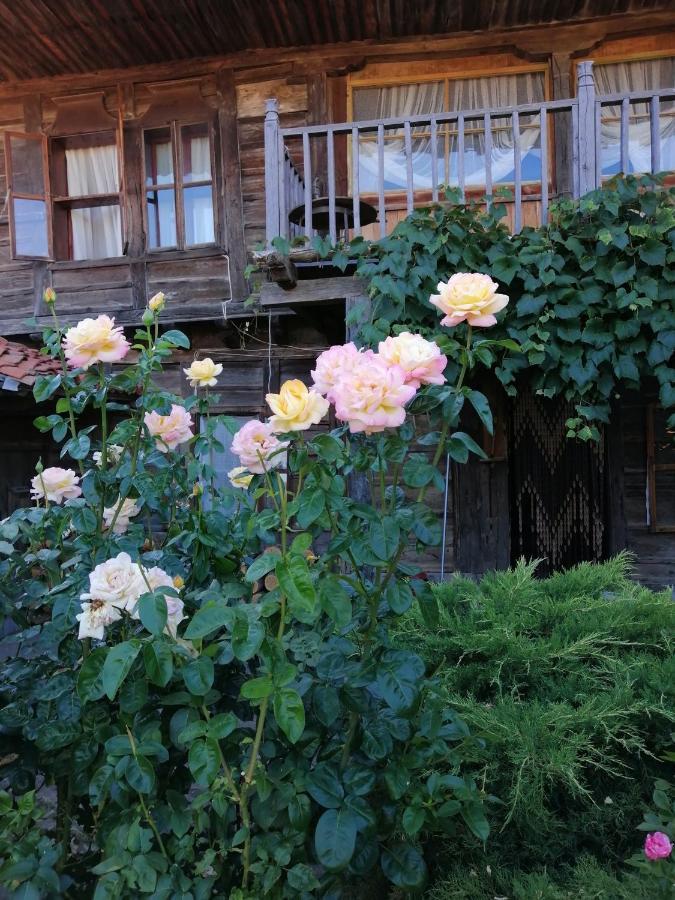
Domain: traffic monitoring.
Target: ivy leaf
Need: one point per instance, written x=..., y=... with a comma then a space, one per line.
x=335, y=838
x=289, y=713
x=296, y=583
x=118, y=664
x=653, y=252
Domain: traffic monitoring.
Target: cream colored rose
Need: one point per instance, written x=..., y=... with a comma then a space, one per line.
x=157, y=578
x=128, y=510
x=295, y=408
x=203, y=373
x=171, y=430
x=240, y=477
x=421, y=360
x=95, y=340
x=56, y=484
x=94, y=618
x=114, y=451
x=469, y=297
x=156, y=302
x=118, y=581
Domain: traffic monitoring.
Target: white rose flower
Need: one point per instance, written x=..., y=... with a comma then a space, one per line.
x=157, y=578
x=94, y=618
x=56, y=484
x=127, y=511
x=115, y=452
x=117, y=581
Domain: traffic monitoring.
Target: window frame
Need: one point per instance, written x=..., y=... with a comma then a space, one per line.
x=62, y=204
x=446, y=72
x=178, y=185
x=22, y=195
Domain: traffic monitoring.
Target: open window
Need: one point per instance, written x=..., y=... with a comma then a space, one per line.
x=87, y=203
x=179, y=186
x=28, y=183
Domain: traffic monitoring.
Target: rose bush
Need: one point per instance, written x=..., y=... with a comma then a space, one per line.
x=205, y=672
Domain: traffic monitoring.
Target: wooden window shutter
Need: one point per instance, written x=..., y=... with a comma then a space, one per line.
x=29, y=201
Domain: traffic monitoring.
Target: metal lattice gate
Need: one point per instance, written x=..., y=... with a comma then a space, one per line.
x=556, y=487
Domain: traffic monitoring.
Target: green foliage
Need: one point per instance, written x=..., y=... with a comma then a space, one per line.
x=592, y=294
x=658, y=874
x=569, y=681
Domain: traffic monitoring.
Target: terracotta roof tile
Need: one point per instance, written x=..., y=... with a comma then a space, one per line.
x=24, y=363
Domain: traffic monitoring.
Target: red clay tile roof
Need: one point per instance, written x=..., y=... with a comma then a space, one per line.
x=24, y=363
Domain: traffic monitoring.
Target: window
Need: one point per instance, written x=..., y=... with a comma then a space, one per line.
x=26, y=156
x=86, y=183
x=625, y=77
x=179, y=210
x=450, y=94
x=660, y=471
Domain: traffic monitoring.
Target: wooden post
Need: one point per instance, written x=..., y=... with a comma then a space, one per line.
x=585, y=149
x=232, y=213
x=272, y=165
x=561, y=66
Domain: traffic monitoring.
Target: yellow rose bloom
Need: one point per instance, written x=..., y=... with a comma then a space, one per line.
x=156, y=302
x=240, y=477
x=203, y=373
x=295, y=408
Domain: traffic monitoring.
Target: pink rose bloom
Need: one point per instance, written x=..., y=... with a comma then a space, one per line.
x=258, y=447
x=332, y=364
x=95, y=340
x=421, y=360
x=169, y=431
x=371, y=396
x=469, y=296
x=56, y=485
x=658, y=846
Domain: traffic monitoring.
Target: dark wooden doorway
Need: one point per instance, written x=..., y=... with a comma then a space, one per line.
x=556, y=486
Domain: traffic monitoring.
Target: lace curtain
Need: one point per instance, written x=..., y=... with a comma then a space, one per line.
x=198, y=200
x=96, y=230
x=464, y=94
x=653, y=74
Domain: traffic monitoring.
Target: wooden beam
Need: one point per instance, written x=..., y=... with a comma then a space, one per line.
x=313, y=290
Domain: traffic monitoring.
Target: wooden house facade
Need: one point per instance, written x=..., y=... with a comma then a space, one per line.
x=154, y=146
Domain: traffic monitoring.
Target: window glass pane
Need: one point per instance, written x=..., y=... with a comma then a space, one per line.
x=196, y=153
x=198, y=203
x=640, y=75
x=92, y=170
x=27, y=166
x=30, y=227
x=158, y=157
x=97, y=232
x=161, y=218
x=492, y=93
x=388, y=102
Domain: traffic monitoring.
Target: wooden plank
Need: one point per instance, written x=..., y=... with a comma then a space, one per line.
x=382, y=216
x=231, y=213
x=272, y=221
x=517, y=162
x=585, y=133
x=460, y=156
x=307, y=188
x=487, y=130
x=332, y=225
x=312, y=290
x=356, y=195
x=543, y=141
x=407, y=140
x=655, y=134
x=434, y=159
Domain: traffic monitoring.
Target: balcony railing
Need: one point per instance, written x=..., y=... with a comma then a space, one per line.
x=302, y=163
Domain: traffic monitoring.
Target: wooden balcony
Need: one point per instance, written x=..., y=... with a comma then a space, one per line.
x=546, y=151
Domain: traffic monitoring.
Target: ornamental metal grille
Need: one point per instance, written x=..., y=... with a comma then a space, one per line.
x=556, y=486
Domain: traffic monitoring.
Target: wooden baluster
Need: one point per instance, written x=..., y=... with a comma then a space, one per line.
x=655, y=134
x=543, y=143
x=434, y=159
x=487, y=128
x=356, y=198
x=307, y=192
x=624, y=135
x=332, y=224
x=380, y=180
x=407, y=138
x=460, y=157
x=283, y=195
x=517, y=174
x=271, y=170
x=576, y=161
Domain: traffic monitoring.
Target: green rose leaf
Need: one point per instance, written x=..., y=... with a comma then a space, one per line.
x=209, y=619
x=118, y=664
x=153, y=612
x=404, y=866
x=90, y=678
x=296, y=584
x=289, y=713
x=335, y=838
x=158, y=660
x=198, y=676
x=140, y=775
x=204, y=760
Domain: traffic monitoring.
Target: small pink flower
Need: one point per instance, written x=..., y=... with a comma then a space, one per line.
x=421, y=360
x=658, y=846
x=332, y=364
x=95, y=340
x=258, y=447
x=371, y=396
x=169, y=431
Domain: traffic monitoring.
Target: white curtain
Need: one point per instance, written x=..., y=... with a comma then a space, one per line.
x=198, y=201
x=641, y=75
x=97, y=232
x=464, y=94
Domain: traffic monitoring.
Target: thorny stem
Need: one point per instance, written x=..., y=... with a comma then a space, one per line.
x=226, y=769
x=146, y=812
